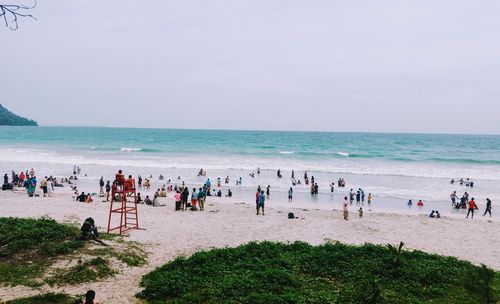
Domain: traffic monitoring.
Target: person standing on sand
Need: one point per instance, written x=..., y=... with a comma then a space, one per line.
x=346, y=208
x=488, y=207
x=201, y=199
x=101, y=186
x=43, y=185
x=260, y=202
x=178, y=200
x=194, y=199
x=472, y=206
x=351, y=196
x=290, y=195
x=108, y=190
x=370, y=197
x=185, y=197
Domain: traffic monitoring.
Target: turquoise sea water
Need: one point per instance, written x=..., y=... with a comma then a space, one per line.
x=480, y=149
x=392, y=165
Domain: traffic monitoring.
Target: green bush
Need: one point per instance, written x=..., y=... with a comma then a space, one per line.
x=89, y=271
x=28, y=238
x=300, y=273
x=27, y=245
x=50, y=298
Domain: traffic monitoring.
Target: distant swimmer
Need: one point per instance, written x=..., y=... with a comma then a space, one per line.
x=420, y=203
x=410, y=203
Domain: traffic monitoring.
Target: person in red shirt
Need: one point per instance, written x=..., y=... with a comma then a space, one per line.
x=472, y=206
x=129, y=183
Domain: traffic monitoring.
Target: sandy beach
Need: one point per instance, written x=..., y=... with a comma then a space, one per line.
x=231, y=222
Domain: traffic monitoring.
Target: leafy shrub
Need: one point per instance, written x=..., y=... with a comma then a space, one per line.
x=50, y=298
x=36, y=238
x=300, y=273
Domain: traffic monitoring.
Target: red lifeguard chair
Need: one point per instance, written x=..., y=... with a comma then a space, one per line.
x=123, y=203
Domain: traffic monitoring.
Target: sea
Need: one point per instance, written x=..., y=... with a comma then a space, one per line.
x=393, y=167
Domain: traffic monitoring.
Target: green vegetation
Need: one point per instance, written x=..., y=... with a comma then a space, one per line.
x=50, y=298
x=30, y=249
x=89, y=271
x=8, y=118
x=332, y=273
x=27, y=247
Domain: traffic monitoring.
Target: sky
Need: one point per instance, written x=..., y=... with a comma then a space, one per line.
x=374, y=66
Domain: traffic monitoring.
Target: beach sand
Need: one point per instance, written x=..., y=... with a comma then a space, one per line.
x=228, y=223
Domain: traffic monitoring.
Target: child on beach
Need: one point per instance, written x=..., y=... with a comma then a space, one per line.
x=290, y=195
x=370, y=197
x=360, y=212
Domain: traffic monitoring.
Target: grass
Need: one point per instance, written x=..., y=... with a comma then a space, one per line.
x=27, y=247
x=332, y=273
x=89, y=271
x=30, y=248
x=50, y=298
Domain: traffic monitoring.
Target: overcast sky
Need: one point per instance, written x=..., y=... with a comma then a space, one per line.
x=397, y=66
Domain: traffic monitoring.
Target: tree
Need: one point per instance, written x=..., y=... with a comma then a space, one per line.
x=11, y=13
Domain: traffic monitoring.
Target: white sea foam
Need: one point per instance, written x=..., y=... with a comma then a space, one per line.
x=130, y=149
x=287, y=152
x=346, y=154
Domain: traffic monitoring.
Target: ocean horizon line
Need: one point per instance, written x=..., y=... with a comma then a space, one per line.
x=266, y=130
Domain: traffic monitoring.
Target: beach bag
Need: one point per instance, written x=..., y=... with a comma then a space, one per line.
x=291, y=215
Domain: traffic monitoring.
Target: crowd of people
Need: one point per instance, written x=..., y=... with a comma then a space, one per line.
x=193, y=198
x=470, y=204
x=463, y=182
x=30, y=182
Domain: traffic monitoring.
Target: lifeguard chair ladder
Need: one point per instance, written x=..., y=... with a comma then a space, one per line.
x=125, y=207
